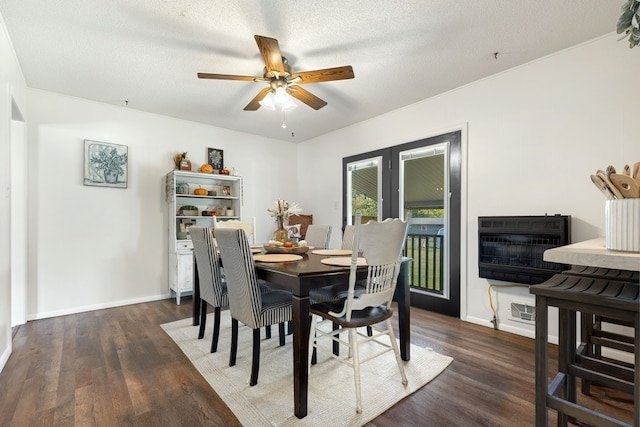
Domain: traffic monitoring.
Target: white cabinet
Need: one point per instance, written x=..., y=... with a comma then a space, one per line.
x=223, y=198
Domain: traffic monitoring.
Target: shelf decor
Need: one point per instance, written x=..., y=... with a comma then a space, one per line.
x=281, y=211
x=105, y=164
x=215, y=158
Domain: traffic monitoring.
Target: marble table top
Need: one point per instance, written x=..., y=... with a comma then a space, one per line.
x=593, y=253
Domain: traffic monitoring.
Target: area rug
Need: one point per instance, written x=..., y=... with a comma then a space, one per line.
x=331, y=385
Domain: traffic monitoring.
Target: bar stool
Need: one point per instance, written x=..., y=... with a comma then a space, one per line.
x=597, y=295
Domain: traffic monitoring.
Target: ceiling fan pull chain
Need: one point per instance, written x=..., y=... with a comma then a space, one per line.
x=284, y=123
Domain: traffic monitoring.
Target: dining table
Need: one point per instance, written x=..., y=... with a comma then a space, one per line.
x=300, y=277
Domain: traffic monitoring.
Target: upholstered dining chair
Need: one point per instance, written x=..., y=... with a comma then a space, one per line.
x=246, y=303
x=380, y=244
x=213, y=288
x=328, y=293
x=248, y=227
x=318, y=236
x=347, y=237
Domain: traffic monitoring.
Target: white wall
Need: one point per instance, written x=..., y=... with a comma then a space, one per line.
x=534, y=134
x=12, y=91
x=94, y=247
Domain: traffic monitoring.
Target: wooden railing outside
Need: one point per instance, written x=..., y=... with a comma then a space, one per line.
x=427, y=267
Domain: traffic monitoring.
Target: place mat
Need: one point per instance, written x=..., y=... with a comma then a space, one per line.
x=332, y=252
x=343, y=261
x=256, y=250
x=277, y=257
x=257, y=246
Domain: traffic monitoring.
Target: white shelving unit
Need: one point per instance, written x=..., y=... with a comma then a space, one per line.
x=226, y=203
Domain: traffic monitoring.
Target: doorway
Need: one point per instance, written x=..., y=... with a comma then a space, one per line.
x=422, y=177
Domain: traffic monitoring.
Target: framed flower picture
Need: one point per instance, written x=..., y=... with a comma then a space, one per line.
x=105, y=164
x=215, y=158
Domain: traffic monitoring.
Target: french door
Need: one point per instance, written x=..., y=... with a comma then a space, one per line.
x=422, y=177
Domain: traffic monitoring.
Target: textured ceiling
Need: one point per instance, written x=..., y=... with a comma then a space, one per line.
x=147, y=52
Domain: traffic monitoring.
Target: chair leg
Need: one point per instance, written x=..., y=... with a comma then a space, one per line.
x=312, y=338
x=369, y=331
x=281, y=332
x=216, y=329
x=396, y=350
x=255, y=365
x=336, y=344
x=290, y=327
x=267, y=331
x=203, y=319
x=234, y=342
x=353, y=342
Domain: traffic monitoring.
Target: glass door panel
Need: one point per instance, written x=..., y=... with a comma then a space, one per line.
x=364, y=189
x=423, y=190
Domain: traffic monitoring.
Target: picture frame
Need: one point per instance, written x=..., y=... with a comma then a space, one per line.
x=226, y=190
x=215, y=158
x=105, y=164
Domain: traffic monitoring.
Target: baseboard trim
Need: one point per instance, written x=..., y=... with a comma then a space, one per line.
x=74, y=310
x=509, y=328
x=5, y=357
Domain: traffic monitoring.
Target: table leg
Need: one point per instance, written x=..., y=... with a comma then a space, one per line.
x=301, y=326
x=403, y=298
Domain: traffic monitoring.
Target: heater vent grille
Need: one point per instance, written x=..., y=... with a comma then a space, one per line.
x=523, y=312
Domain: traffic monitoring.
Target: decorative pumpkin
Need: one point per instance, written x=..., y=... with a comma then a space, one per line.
x=224, y=171
x=200, y=191
x=206, y=168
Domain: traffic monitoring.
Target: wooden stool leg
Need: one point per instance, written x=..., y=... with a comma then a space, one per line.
x=636, y=376
x=542, y=361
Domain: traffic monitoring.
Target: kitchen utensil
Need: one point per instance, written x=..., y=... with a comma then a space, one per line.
x=636, y=172
x=614, y=190
x=610, y=170
x=602, y=186
x=627, y=185
x=626, y=170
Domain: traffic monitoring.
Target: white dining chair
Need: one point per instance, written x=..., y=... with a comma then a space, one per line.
x=318, y=236
x=234, y=224
x=347, y=237
x=380, y=244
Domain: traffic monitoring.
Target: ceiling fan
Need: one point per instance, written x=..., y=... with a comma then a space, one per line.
x=282, y=81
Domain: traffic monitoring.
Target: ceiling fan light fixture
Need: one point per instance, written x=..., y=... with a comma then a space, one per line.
x=268, y=102
x=281, y=96
x=289, y=104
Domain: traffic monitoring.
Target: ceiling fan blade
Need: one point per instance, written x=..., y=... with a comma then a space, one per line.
x=270, y=51
x=307, y=97
x=255, y=102
x=228, y=77
x=325, y=75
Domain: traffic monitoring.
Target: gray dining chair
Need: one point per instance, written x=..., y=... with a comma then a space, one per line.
x=347, y=237
x=328, y=293
x=213, y=288
x=318, y=236
x=246, y=303
x=380, y=244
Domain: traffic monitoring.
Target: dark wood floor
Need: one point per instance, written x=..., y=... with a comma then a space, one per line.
x=117, y=367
